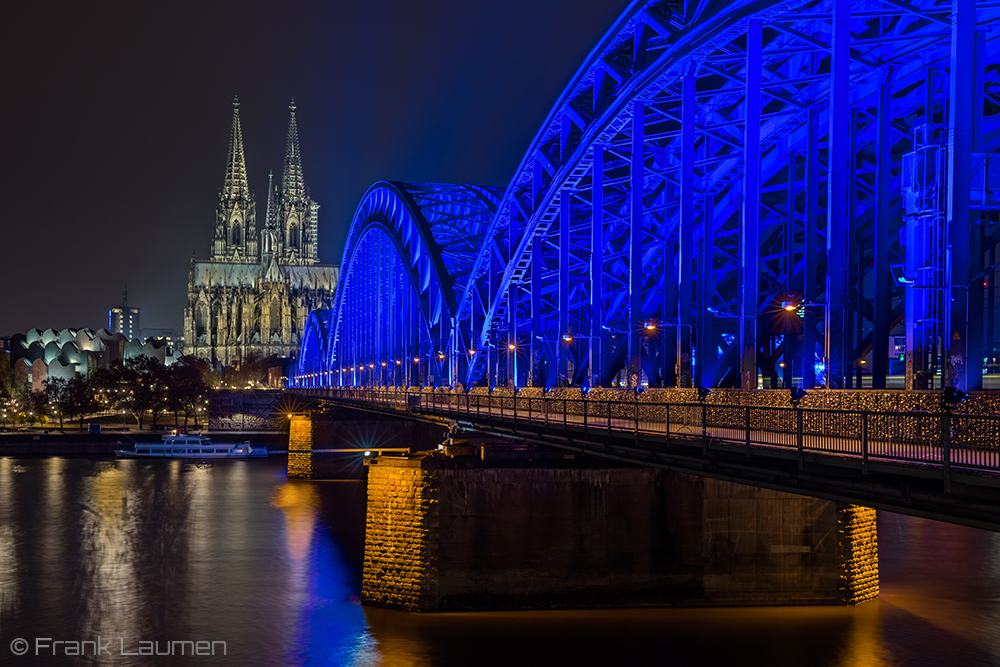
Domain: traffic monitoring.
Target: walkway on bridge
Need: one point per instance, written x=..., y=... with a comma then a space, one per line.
x=913, y=462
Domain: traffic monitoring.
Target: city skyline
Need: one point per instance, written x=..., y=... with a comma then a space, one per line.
x=123, y=116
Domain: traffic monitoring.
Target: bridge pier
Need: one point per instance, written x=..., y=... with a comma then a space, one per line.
x=453, y=534
x=342, y=435
x=301, y=434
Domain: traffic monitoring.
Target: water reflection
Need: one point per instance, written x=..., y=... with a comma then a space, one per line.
x=106, y=578
x=9, y=564
x=236, y=552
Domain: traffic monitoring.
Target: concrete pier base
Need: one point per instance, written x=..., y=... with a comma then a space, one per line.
x=452, y=534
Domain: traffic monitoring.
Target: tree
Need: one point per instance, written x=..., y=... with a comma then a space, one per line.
x=78, y=400
x=56, y=392
x=138, y=386
x=6, y=377
x=38, y=407
x=187, y=387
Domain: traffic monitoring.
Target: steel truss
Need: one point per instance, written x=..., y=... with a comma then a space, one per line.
x=726, y=194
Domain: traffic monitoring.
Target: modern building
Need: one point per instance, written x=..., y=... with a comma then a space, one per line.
x=251, y=299
x=124, y=319
x=38, y=355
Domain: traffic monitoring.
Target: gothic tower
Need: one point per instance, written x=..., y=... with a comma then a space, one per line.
x=243, y=306
x=295, y=215
x=235, y=237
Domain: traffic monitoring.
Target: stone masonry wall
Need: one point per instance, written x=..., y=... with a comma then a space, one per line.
x=301, y=434
x=768, y=547
x=460, y=534
x=858, y=554
x=401, y=539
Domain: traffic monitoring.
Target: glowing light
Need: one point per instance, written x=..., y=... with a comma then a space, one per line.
x=511, y=347
x=650, y=326
x=567, y=338
x=416, y=360
x=471, y=352
x=790, y=306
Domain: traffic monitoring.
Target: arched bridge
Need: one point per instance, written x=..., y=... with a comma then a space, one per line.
x=726, y=194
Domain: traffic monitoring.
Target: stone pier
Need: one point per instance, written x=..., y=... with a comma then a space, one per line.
x=343, y=428
x=454, y=534
x=301, y=437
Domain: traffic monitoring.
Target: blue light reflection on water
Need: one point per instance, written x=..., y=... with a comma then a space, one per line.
x=330, y=625
x=238, y=552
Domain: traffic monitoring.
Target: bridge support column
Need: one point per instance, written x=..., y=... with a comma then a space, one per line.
x=460, y=534
x=301, y=434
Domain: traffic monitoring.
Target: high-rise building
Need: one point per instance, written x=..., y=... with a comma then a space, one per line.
x=249, y=299
x=124, y=319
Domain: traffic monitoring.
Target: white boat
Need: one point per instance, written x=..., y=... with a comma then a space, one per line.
x=187, y=446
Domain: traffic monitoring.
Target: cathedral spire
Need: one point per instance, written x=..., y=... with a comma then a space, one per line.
x=236, y=169
x=269, y=212
x=235, y=237
x=292, y=185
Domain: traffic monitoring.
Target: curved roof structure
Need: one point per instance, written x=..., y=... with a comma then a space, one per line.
x=725, y=193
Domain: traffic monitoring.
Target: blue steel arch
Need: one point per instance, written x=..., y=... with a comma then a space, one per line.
x=712, y=171
x=409, y=247
x=313, y=368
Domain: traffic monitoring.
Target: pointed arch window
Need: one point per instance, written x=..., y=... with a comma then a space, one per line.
x=201, y=319
x=275, y=318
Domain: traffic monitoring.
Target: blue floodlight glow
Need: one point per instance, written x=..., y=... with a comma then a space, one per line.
x=585, y=303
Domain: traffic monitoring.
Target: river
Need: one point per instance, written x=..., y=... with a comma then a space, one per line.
x=129, y=556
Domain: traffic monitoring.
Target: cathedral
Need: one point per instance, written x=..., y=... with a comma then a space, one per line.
x=251, y=298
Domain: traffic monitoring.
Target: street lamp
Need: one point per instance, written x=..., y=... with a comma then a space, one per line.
x=827, y=343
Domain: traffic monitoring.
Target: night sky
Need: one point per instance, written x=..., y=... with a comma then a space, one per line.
x=116, y=121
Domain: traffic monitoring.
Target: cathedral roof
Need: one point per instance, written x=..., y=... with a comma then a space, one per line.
x=236, y=186
x=293, y=187
x=231, y=274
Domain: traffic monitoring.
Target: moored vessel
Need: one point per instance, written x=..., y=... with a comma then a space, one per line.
x=188, y=446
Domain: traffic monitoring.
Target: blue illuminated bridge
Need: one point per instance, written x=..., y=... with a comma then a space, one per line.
x=725, y=191
x=736, y=195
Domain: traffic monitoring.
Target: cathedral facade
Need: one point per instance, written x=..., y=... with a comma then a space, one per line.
x=251, y=298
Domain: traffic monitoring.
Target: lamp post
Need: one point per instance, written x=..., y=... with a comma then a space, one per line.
x=828, y=337
x=511, y=363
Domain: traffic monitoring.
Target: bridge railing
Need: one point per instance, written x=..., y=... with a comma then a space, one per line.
x=941, y=438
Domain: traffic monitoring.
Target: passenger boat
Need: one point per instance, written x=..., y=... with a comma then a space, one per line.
x=187, y=446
